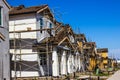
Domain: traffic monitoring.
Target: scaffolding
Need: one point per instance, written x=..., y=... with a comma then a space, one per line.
x=60, y=36
x=61, y=33
x=17, y=57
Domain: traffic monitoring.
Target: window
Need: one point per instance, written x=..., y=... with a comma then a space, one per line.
x=43, y=59
x=50, y=25
x=41, y=23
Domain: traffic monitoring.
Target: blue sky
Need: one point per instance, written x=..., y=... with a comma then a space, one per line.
x=98, y=19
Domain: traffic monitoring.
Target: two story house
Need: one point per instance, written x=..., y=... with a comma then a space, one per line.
x=28, y=26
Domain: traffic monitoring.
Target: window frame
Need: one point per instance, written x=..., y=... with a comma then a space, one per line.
x=41, y=22
x=1, y=15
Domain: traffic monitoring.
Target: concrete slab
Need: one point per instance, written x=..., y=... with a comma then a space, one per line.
x=115, y=76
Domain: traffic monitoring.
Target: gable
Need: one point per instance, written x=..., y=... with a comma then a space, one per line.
x=66, y=41
x=46, y=12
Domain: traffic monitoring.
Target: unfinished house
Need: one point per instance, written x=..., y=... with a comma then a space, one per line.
x=103, y=53
x=28, y=26
x=4, y=41
x=80, y=39
x=63, y=51
x=41, y=46
x=88, y=53
x=89, y=49
x=111, y=63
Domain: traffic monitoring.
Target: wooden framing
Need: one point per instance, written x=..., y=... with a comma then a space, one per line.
x=23, y=31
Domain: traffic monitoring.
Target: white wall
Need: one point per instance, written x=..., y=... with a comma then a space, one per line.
x=71, y=38
x=23, y=22
x=26, y=74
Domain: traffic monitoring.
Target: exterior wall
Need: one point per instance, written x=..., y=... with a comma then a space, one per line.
x=43, y=34
x=92, y=64
x=105, y=55
x=71, y=38
x=25, y=73
x=4, y=45
x=23, y=22
x=104, y=62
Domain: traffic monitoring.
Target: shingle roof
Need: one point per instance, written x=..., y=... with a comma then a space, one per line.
x=22, y=10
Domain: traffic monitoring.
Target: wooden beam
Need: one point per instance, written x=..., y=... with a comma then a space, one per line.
x=23, y=31
x=66, y=38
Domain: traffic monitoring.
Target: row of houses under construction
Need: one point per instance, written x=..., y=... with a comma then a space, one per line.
x=42, y=46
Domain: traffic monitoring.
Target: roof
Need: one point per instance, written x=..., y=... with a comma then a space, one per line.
x=89, y=47
x=100, y=50
x=61, y=38
x=90, y=43
x=82, y=36
x=22, y=10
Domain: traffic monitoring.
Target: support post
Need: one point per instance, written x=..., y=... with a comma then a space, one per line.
x=69, y=63
x=55, y=63
x=63, y=64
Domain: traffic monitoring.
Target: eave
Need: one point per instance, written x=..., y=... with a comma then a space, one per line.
x=6, y=4
x=39, y=11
